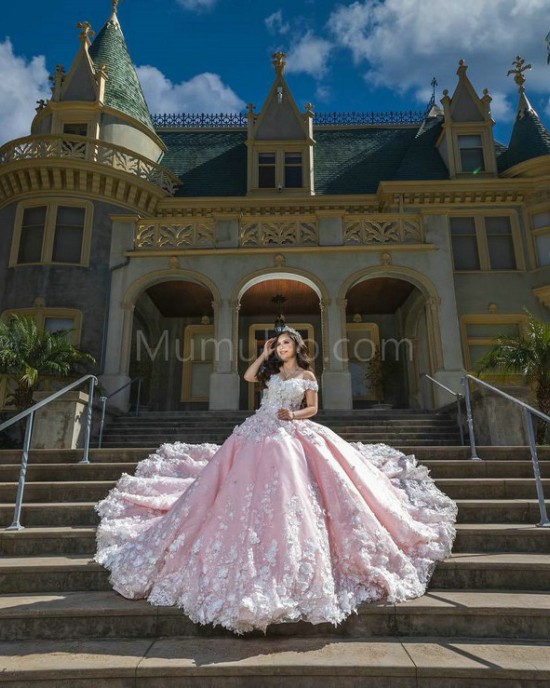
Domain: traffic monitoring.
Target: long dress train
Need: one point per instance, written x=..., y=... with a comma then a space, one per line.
x=285, y=521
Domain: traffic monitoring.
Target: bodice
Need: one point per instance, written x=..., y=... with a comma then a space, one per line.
x=288, y=394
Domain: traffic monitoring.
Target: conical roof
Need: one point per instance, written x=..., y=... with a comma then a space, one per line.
x=529, y=138
x=122, y=89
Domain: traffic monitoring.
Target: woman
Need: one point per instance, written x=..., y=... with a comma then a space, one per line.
x=285, y=521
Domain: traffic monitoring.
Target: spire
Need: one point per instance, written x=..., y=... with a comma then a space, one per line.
x=529, y=138
x=122, y=89
x=519, y=67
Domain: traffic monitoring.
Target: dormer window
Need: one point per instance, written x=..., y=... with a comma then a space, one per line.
x=267, y=166
x=280, y=170
x=76, y=128
x=471, y=153
x=293, y=171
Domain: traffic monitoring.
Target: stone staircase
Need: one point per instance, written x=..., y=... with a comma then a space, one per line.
x=393, y=426
x=484, y=622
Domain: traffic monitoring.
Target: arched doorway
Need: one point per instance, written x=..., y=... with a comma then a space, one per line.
x=172, y=344
x=261, y=301
x=389, y=343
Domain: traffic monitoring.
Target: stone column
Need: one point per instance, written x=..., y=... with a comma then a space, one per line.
x=224, y=380
x=449, y=378
x=336, y=377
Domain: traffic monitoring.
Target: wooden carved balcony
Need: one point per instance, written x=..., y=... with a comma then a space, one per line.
x=79, y=148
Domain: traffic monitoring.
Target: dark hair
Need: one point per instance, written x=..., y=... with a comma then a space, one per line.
x=273, y=364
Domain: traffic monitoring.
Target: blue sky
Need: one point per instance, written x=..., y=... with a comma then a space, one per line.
x=215, y=55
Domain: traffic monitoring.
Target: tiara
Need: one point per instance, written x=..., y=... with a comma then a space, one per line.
x=291, y=330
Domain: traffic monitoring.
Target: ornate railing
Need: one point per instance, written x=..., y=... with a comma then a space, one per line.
x=278, y=233
x=197, y=233
x=163, y=234
x=237, y=120
x=89, y=150
x=351, y=118
x=384, y=229
x=186, y=120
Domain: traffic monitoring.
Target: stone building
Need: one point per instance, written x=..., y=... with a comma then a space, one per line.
x=170, y=244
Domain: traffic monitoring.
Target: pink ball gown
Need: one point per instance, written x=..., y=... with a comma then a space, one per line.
x=284, y=522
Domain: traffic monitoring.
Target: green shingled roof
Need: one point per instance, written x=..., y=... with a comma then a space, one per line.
x=422, y=160
x=213, y=162
x=209, y=162
x=122, y=90
x=529, y=140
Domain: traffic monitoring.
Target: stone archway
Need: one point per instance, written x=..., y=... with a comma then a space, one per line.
x=395, y=311
x=255, y=314
x=149, y=299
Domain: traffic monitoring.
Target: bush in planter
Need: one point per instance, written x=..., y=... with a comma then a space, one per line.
x=527, y=354
x=29, y=353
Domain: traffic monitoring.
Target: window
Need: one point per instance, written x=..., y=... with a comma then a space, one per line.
x=280, y=170
x=500, y=243
x=464, y=241
x=57, y=232
x=76, y=128
x=52, y=319
x=68, y=234
x=471, y=153
x=266, y=170
x=31, y=240
x=485, y=243
x=480, y=331
x=293, y=170
x=540, y=223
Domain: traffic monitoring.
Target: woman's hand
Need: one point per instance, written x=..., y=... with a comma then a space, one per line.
x=285, y=414
x=268, y=347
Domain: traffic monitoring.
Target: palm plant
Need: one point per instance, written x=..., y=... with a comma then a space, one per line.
x=528, y=354
x=28, y=352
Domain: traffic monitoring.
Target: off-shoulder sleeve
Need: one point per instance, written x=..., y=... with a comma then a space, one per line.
x=310, y=384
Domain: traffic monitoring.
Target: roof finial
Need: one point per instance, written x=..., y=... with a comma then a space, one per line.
x=547, y=41
x=433, y=84
x=279, y=63
x=115, y=5
x=519, y=68
x=85, y=32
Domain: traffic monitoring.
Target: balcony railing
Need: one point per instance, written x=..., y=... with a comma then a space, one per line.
x=276, y=230
x=51, y=146
x=239, y=120
x=384, y=229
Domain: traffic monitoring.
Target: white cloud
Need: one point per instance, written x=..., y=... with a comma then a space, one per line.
x=203, y=93
x=197, y=5
x=322, y=93
x=276, y=24
x=23, y=82
x=309, y=55
x=502, y=110
x=406, y=42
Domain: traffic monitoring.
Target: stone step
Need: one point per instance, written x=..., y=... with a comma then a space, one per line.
x=341, y=423
x=422, y=452
x=488, y=537
x=445, y=469
x=105, y=614
x=48, y=541
x=405, y=446
x=503, y=571
x=94, y=490
x=82, y=513
x=423, y=662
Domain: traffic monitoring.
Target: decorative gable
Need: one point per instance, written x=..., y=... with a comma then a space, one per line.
x=466, y=143
x=280, y=141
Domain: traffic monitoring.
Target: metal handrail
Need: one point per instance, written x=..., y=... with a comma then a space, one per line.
x=528, y=411
x=29, y=414
x=459, y=398
x=105, y=399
